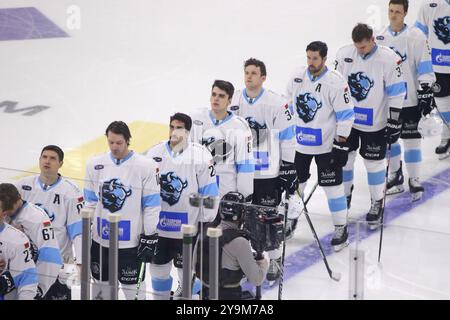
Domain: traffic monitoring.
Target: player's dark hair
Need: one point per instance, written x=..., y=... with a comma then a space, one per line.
x=257, y=63
x=362, y=32
x=9, y=195
x=182, y=118
x=318, y=46
x=119, y=127
x=404, y=3
x=56, y=149
x=225, y=86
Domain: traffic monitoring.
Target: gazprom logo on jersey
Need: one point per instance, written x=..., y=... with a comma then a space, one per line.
x=124, y=229
x=363, y=116
x=308, y=136
x=261, y=160
x=441, y=57
x=172, y=221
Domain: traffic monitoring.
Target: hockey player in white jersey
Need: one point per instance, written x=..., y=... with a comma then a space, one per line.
x=18, y=275
x=126, y=183
x=185, y=168
x=375, y=77
x=324, y=117
x=229, y=139
x=270, y=121
x=62, y=200
x=434, y=21
x=35, y=223
x=411, y=46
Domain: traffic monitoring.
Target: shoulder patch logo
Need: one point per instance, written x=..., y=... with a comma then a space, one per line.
x=298, y=80
x=99, y=167
x=348, y=60
x=26, y=188
x=234, y=108
x=380, y=37
x=198, y=122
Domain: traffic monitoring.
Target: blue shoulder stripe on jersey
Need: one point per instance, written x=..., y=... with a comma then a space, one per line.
x=413, y=156
x=423, y=28
x=152, y=200
x=345, y=115
x=376, y=178
x=337, y=204
x=396, y=89
x=246, y=166
x=26, y=277
x=424, y=67
x=74, y=229
x=446, y=116
x=50, y=255
x=2, y=226
x=162, y=285
x=287, y=134
x=90, y=195
x=209, y=190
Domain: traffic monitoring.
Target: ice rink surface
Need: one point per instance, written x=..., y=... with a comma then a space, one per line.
x=75, y=66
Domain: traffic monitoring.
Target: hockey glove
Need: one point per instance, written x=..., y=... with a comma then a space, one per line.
x=6, y=283
x=147, y=247
x=339, y=154
x=425, y=98
x=393, y=130
x=288, y=177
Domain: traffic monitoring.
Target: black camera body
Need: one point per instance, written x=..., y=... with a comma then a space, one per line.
x=264, y=226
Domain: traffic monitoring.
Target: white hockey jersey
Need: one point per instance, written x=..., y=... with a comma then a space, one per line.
x=272, y=128
x=182, y=174
x=434, y=21
x=62, y=202
x=412, y=48
x=38, y=228
x=128, y=187
x=376, y=84
x=15, y=250
x=230, y=143
x=322, y=109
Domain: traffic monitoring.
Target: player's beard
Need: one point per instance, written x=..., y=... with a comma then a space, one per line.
x=314, y=70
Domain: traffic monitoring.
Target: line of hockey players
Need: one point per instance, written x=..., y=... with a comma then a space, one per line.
x=253, y=142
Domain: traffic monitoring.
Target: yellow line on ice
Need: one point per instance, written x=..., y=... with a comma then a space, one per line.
x=144, y=135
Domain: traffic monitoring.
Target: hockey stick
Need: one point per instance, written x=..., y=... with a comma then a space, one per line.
x=286, y=208
x=333, y=275
x=384, y=201
x=141, y=275
x=443, y=119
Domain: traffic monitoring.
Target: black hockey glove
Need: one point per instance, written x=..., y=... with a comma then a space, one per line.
x=339, y=154
x=425, y=98
x=393, y=130
x=147, y=247
x=288, y=177
x=6, y=283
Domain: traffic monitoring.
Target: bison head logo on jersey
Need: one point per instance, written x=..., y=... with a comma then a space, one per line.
x=307, y=107
x=50, y=215
x=114, y=194
x=442, y=29
x=360, y=85
x=402, y=56
x=220, y=149
x=259, y=131
x=171, y=187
